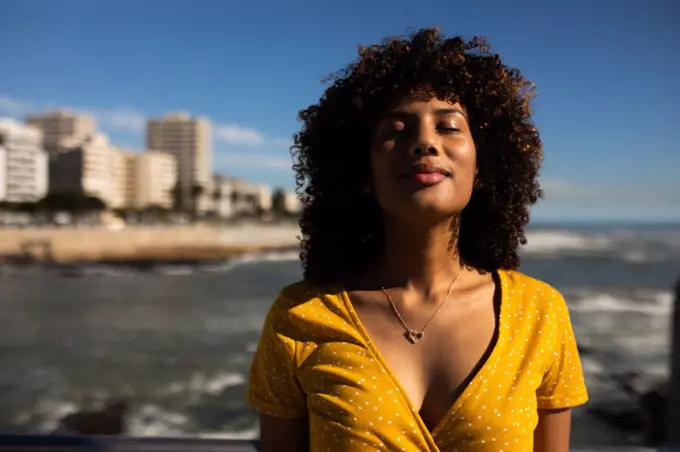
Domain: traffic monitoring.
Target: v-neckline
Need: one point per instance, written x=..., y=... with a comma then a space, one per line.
x=488, y=365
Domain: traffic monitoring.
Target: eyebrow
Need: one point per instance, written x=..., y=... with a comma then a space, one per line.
x=437, y=112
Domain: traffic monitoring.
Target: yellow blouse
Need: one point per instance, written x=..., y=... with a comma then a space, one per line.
x=315, y=359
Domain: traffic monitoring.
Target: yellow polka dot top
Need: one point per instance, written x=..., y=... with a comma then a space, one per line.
x=315, y=359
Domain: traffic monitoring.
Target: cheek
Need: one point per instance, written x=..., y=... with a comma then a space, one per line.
x=465, y=158
x=380, y=169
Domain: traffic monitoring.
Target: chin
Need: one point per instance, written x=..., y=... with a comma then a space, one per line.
x=430, y=204
x=427, y=208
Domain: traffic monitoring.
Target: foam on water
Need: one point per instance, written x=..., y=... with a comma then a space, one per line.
x=552, y=241
x=201, y=383
x=635, y=246
x=658, y=304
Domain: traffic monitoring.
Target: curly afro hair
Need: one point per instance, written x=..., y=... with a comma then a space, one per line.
x=341, y=224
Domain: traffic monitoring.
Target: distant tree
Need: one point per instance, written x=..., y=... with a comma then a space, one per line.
x=196, y=192
x=23, y=207
x=155, y=210
x=93, y=204
x=27, y=207
x=177, y=195
x=123, y=212
x=74, y=202
x=279, y=200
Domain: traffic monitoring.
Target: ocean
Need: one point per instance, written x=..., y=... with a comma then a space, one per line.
x=177, y=340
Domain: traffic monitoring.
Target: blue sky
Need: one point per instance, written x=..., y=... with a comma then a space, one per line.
x=607, y=104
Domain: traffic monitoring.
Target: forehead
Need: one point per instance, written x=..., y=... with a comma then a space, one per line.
x=422, y=104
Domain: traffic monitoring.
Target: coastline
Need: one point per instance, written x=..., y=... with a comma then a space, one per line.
x=140, y=245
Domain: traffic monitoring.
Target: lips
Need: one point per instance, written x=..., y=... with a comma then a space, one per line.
x=428, y=174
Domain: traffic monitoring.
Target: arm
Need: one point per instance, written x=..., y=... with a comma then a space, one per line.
x=552, y=431
x=563, y=386
x=279, y=434
x=274, y=389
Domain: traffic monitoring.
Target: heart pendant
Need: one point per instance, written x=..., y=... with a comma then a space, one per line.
x=414, y=336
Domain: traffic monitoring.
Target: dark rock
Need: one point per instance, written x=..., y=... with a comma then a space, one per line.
x=642, y=416
x=108, y=421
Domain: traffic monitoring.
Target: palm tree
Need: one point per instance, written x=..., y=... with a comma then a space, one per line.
x=196, y=192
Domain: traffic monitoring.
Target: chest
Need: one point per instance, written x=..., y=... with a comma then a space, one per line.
x=435, y=370
x=461, y=384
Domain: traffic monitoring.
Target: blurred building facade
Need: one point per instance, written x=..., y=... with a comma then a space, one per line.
x=286, y=202
x=94, y=168
x=233, y=197
x=189, y=140
x=175, y=173
x=23, y=163
x=153, y=175
x=62, y=129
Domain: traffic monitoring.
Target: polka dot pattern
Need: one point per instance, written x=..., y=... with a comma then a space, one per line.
x=315, y=359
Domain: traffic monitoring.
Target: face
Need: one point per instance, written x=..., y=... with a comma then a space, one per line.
x=423, y=160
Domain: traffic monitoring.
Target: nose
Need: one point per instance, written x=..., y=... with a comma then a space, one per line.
x=424, y=142
x=423, y=150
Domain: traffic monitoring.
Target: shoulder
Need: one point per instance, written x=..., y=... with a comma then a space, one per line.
x=529, y=295
x=303, y=294
x=298, y=302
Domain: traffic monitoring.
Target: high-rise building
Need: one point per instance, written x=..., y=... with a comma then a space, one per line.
x=63, y=129
x=23, y=162
x=189, y=140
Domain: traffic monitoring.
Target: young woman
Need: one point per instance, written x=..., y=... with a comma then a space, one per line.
x=412, y=329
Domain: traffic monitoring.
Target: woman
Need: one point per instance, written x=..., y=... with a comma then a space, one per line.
x=412, y=330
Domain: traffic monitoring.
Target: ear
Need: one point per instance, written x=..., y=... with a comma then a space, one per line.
x=478, y=184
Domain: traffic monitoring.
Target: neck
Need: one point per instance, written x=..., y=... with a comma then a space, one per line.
x=418, y=257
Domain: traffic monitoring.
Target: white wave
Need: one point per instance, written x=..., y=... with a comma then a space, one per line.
x=47, y=413
x=550, y=241
x=247, y=434
x=251, y=258
x=152, y=420
x=147, y=420
x=658, y=304
x=227, y=266
x=269, y=256
x=200, y=383
x=637, y=257
x=591, y=366
x=175, y=270
x=103, y=270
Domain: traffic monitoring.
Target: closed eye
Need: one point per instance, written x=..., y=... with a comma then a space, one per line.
x=448, y=130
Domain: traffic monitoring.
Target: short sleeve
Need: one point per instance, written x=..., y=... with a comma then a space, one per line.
x=563, y=385
x=273, y=388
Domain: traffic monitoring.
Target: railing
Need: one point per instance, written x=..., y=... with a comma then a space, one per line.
x=19, y=443
x=35, y=443
x=54, y=443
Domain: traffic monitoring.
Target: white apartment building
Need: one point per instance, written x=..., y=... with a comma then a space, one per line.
x=189, y=140
x=230, y=197
x=95, y=168
x=222, y=196
x=154, y=175
x=63, y=129
x=289, y=203
x=119, y=177
x=23, y=163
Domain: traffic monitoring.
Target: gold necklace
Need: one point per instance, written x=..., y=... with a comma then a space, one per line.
x=411, y=335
